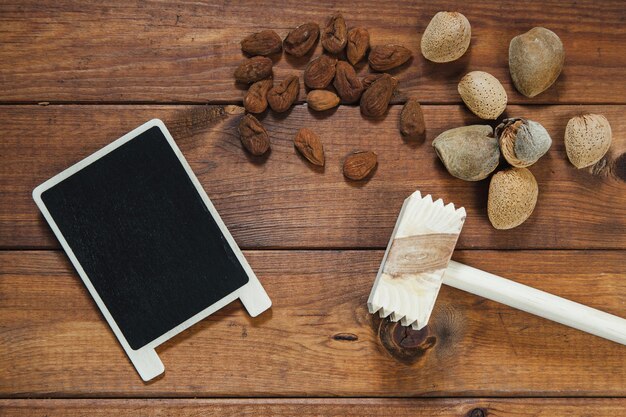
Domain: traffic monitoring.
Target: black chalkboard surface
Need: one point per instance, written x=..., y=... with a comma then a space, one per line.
x=144, y=235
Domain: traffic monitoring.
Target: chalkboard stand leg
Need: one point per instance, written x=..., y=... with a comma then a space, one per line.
x=146, y=362
x=254, y=298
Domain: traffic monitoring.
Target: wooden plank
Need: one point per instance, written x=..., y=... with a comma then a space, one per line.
x=318, y=339
x=170, y=51
x=362, y=407
x=280, y=201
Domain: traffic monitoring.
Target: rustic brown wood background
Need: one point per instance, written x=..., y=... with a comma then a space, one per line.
x=75, y=75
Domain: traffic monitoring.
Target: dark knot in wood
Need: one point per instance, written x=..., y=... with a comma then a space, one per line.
x=346, y=337
x=619, y=167
x=403, y=343
x=477, y=412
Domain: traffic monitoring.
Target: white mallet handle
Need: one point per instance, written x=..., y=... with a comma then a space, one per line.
x=536, y=302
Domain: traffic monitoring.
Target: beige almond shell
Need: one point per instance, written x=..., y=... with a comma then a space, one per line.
x=483, y=94
x=446, y=37
x=535, y=60
x=587, y=139
x=512, y=197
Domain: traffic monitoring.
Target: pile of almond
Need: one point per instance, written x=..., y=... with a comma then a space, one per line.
x=470, y=153
x=330, y=79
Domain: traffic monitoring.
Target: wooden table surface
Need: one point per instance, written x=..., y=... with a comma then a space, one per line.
x=76, y=75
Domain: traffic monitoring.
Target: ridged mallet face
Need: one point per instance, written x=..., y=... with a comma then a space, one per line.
x=417, y=256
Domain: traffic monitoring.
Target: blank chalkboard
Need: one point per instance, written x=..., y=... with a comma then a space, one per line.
x=144, y=237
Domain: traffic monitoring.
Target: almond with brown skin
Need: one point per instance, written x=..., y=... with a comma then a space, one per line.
x=266, y=42
x=386, y=57
x=301, y=39
x=375, y=99
x=335, y=34
x=255, y=100
x=282, y=96
x=321, y=100
x=359, y=165
x=253, y=135
x=310, y=146
x=253, y=69
x=358, y=44
x=348, y=85
x=412, y=124
x=320, y=72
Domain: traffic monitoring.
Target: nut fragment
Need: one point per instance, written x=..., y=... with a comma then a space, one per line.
x=255, y=100
x=412, y=124
x=587, y=139
x=386, y=57
x=483, y=94
x=282, y=96
x=320, y=72
x=253, y=135
x=347, y=83
x=446, y=37
x=253, y=69
x=522, y=141
x=335, y=34
x=358, y=44
x=512, y=197
x=375, y=99
x=321, y=100
x=266, y=42
x=301, y=39
x=470, y=152
x=535, y=60
x=310, y=146
x=359, y=165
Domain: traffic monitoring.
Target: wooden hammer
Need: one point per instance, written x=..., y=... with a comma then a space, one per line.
x=417, y=262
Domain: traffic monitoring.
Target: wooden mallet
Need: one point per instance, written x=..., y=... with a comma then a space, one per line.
x=417, y=262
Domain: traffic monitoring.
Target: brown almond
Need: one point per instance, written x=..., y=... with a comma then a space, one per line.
x=369, y=79
x=255, y=100
x=359, y=165
x=412, y=124
x=282, y=96
x=253, y=135
x=348, y=85
x=386, y=57
x=375, y=99
x=321, y=100
x=320, y=72
x=335, y=34
x=358, y=44
x=301, y=39
x=253, y=69
x=310, y=146
x=266, y=42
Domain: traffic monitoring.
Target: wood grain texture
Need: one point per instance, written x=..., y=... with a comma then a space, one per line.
x=173, y=51
x=281, y=201
x=318, y=339
x=361, y=407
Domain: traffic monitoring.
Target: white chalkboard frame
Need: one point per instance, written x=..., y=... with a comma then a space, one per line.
x=145, y=359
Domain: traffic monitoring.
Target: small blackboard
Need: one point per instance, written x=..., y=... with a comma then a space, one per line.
x=147, y=241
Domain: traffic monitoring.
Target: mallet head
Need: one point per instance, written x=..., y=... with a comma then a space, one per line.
x=417, y=255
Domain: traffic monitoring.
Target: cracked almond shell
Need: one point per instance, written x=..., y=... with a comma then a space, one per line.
x=512, y=197
x=446, y=37
x=522, y=141
x=587, y=139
